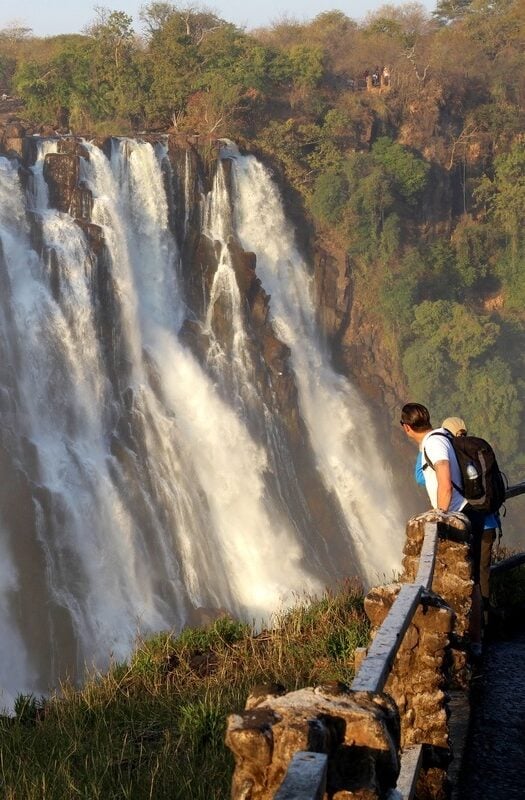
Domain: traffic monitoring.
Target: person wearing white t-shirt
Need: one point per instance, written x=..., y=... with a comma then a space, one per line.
x=436, y=448
x=441, y=472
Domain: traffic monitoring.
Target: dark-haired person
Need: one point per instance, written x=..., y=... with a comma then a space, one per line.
x=439, y=483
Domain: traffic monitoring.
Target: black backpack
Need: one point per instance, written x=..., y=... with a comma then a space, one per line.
x=483, y=482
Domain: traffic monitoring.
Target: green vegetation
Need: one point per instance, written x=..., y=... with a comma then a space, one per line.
x=421, y=187
x=154, y=727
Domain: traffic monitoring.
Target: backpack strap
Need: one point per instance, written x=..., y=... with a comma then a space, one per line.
x=428, y=462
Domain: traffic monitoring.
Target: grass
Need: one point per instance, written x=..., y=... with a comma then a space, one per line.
x=154, y=727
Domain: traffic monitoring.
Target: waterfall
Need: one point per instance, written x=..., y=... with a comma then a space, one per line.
x=16, y=673
x=152, y=483
x=348, y=453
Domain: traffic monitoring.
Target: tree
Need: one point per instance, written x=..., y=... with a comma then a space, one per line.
x=63, y=84
x=155, y=15
x=504, y=195
x=7, y=70
x=464, y=335
x=398, y=295
x=450, y=10
x=496, y=25
x=113, y=33
x=406, y=23
x=329, y=196
x=114, y=51
x=450, y=362
x=14, y=32
x=408, y=171
x=471, y=243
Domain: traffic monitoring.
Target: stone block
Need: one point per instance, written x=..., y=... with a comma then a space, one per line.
x=250, y=736
x=378, y=602
x=353, y=728
x=433, y=641
x=429, y=678
x=411, y=638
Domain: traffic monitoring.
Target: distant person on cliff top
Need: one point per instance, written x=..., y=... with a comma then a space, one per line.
x=439, y=483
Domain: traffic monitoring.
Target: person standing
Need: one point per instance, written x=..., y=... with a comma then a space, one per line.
x=491, y=526
x=442, y=475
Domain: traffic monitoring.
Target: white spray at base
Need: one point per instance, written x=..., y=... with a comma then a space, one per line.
x=340, y=426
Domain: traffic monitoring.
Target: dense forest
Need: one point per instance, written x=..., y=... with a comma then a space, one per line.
x=417, y=181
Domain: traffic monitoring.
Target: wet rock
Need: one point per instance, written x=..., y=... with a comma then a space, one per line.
x=61, y=172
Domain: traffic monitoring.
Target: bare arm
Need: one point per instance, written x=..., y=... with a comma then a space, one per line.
x=444, y=481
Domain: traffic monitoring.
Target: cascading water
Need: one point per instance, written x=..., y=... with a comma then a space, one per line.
x=152, y=484
x=338, y=421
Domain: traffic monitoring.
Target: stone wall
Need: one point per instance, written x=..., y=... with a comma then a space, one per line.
x=433, y=655
x=363, y=733
x=452, y=578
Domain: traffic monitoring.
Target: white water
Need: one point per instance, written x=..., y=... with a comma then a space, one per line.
x=16, y=673
x=340, y=426
x=231, y=477
x=153, y=495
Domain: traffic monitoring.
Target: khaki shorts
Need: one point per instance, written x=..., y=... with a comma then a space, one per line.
x=487, y=540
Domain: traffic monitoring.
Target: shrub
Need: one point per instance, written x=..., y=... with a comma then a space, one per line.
x=329, y=196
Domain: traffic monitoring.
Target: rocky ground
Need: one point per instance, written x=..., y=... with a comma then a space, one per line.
x=10, y=109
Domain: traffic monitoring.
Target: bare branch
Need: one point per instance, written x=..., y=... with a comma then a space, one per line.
x=468, y=132
x=410, y=55
x=216, y=124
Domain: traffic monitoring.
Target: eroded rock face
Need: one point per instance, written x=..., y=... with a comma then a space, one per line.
x=12, y=139
x=358, y=730
x=266, y=358
x=61, y=172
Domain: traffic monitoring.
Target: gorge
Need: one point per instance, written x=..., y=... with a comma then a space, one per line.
x=174, y=440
